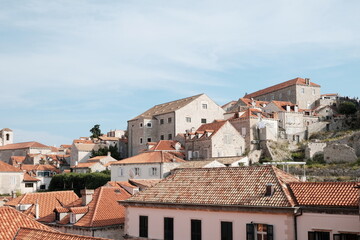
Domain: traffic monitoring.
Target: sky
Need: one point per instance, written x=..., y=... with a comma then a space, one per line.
x=68, y=65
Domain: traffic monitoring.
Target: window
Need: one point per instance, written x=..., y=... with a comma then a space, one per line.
x=313, y=91
x=13, y=180
x=137, y=171
x=161, y=121
x=29, y=185
x=143, y=226
x=120, y=172
x=346, y=236
x=162, y=137
x=168, y=228
x=141, y=140
x=42, y=186
x=149, y=125
x=141, y=125
x=153, y=171
x=169, y=136
x=7, y=137
x=195, y=229
x=259, y=232
x=228, y=138
x=243, y=131
x=203, y=120
x=57, y=216
x=226, y=231
x=149, y=139
x=204, y=106
x=302, y=90
x=318, y=236
x=169, y=120
x=43, y=173
x=188, y=119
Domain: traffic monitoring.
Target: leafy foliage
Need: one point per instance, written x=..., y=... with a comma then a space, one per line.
x=317, y=159
x=103, y=151
x=95, y=131
x=347, y=108
x=78, y=181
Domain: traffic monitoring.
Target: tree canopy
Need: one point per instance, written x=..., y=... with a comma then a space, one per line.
x=347, y=108
x=95, y=131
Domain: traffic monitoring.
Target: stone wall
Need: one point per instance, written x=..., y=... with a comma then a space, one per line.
x=314, y=148
x=337, y=153
x=115, y=232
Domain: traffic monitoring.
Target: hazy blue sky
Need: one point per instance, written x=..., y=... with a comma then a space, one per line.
x=67, y=65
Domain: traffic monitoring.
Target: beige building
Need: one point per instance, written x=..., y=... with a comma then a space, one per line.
x=165, y=121
x=22, y=149
x=299, y=91
x=216, y=139
x=147, y=165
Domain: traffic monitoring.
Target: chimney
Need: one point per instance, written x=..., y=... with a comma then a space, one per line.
x=307, y=81
x=296, y=108
x=269, y=189
x=13, y=194
x=287, y=108
x=109, y=154
x=86, y=196
x=37, y=210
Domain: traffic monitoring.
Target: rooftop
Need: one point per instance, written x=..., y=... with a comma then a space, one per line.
x=240, y=186
x=24, y=145
x=4, y=167
x=330, y=194
x=12, y=220
x=295, y=81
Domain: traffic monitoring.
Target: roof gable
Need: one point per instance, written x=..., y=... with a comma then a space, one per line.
x=4, y=167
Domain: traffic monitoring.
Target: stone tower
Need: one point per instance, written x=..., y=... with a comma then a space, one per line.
x=6, y=136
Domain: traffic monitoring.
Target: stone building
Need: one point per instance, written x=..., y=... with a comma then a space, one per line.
x=244, y=103
x=6, y=136
x=255, y=126
x=299, y=91
x=167, y=120
x=216, y=139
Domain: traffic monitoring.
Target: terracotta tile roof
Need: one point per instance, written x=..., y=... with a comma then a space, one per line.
x=84, y=165
x=231, y=103
x=83, y=141
x=4, y=167
x=47, y=201
x=145, y=182
x=28, y=178
x=250, y=113
x=120, y=184
x=213, y=127
x=12, y=220
x=61, y=210
x=97, y=158
x=6, y=129
x=326, y=194
x=39, y=167
x=104, y=209
x=23, y=145
x=295, y=81
x=282, y=105
x=248, y=102
x=240, y=186
x=329, y=94
x=166, y=145
x=79, y=210
x=195, y=164
x=166, y=107
x=65, y=146
x=36, y=234
x=227, y=160
x=150, y=157
x=17, y=159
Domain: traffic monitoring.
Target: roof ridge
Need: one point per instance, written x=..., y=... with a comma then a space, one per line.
x=181, y=99
x=95, y=206
x=284, y=185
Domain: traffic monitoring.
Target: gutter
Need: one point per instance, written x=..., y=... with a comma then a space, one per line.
x=297, y=213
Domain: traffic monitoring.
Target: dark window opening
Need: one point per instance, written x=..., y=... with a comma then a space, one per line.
x=143, y=226
x=29, y=185
x=203, y=120
x=162, y=137
x=195, y=229
x=170, y=136
x=226, y=231
x=318, y=236
x=7, y=137
x=161, y=121
x=168, y=229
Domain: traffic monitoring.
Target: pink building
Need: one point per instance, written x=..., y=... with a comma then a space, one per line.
x=253, y=203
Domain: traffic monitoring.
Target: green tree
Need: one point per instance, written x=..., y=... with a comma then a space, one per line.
x=347, y=108
x=95, y=131
x=103, y=151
